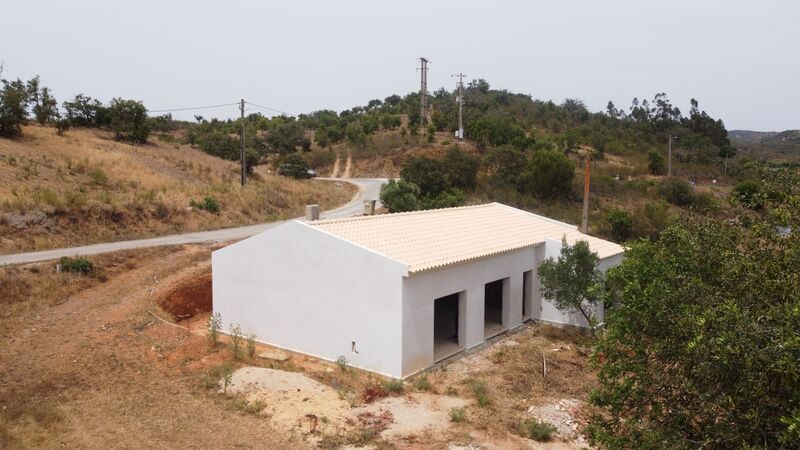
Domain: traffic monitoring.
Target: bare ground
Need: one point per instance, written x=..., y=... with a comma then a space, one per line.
x=96, y=362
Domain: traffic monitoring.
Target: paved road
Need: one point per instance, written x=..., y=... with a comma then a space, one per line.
x=369, y=188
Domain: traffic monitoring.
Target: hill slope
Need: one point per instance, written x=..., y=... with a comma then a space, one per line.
x=85, y=187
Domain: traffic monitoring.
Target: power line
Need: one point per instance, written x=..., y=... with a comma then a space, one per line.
x=271, y=109
x=192, y=108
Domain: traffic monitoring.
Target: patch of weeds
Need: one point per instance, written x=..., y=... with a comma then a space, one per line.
x=458, y=415
x=251, y=345
x=223, y=372
x=208, y=204
x=78, y=264
x=342, y=362
x=422, y=383
x=394, y=386
x=249, y=408
x=538, y=430
x=236, y=341
x=98, y=177
x=214, y=325
x=479, y=389
x=452, y=391
x=373, y=392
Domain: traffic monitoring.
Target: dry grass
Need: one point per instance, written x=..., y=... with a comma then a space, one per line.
x=84, y=187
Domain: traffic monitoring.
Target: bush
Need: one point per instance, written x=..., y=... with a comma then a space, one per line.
x=78, y=264
x=651, y=219
x=539, y=430
x=293, y=166
x=426, y=173
x=677, y=191
x=214, y=325
x=620, y=223
x=549, y=174
x=236, y=341
x=747, y=192
x=394, y=386
x=458, y=415
x=208, y=204
x=655, y=162
x=460, y=169
x=400, y=196
x=446, y=199
x=422, y=382
x=479, y=389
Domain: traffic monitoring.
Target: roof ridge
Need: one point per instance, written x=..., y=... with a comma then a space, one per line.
x=406, y=213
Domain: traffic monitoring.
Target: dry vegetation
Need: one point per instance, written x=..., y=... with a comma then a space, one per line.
x=84, y=187
x=87, y=361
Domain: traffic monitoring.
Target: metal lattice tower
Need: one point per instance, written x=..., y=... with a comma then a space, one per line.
x=423, y=91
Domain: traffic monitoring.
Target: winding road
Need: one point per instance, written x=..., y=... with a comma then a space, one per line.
x=368, y=189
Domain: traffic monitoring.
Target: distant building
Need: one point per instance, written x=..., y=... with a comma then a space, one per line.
x=395, y=293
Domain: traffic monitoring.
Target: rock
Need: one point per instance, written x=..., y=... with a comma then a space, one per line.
x=510, y=343
x=274, y=355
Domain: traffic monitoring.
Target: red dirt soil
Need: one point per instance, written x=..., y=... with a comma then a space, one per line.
x=189, y=298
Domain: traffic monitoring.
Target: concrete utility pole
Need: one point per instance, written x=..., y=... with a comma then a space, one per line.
x=585, y=216
x=669, y=156
x=241, y=138
x=423, y=91
x=460, y=104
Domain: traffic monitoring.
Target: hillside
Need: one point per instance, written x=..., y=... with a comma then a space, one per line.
x=777, y=147
x=85, y=187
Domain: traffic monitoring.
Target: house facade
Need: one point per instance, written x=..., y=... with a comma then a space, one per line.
x=395, y=293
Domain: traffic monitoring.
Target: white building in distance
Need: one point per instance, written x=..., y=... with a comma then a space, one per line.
x=395, y=293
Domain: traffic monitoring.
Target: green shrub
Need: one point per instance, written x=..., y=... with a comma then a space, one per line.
x=342, y=362
x=677, y=191
x=78, y=264
x=400, y=196
x=214, y=325
x=460, y=168
x=394, y=386
x=549, y=174
x=748, y=193
x=236, y=340
x=655, y=162
x=422, y=382
x=208, y=204
x=479, y=389
x=458, y=415
x=539, y=430
x=620, y=223
x=98, y=177
x=251, y=345
x=651, y=219
x=447, y=199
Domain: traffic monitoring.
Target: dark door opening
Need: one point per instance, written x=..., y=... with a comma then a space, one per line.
x=445, y=327
x=527, y=282
x=493, y=308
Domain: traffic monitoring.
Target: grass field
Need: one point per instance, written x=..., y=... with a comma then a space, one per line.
x=84, y=187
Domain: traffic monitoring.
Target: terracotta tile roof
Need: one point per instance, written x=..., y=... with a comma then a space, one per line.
x=425, y=240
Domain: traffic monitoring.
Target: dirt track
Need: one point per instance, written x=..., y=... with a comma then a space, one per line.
x=98, y=371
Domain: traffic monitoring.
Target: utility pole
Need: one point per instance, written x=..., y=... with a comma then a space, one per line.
x=669, y=156
x=585, y=217
x=460, y=104
x=423, y=91
x=241, y=138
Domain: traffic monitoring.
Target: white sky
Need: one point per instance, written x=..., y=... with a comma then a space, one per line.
x=740, y=59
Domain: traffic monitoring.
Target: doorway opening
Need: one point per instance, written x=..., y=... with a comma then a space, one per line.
x=493, y=308
x=446, y=330
x=527, y=297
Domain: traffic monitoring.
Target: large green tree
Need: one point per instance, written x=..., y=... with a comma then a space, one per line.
x=702, y=344
x=129, y=120
x=549, y=174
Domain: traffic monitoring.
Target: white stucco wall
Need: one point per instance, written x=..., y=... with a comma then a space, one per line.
x=304, y=290
x=419, y=291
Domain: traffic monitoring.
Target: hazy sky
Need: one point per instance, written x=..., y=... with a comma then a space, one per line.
x=740, y=59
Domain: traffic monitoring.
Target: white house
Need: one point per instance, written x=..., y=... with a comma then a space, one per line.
x=395, y=293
